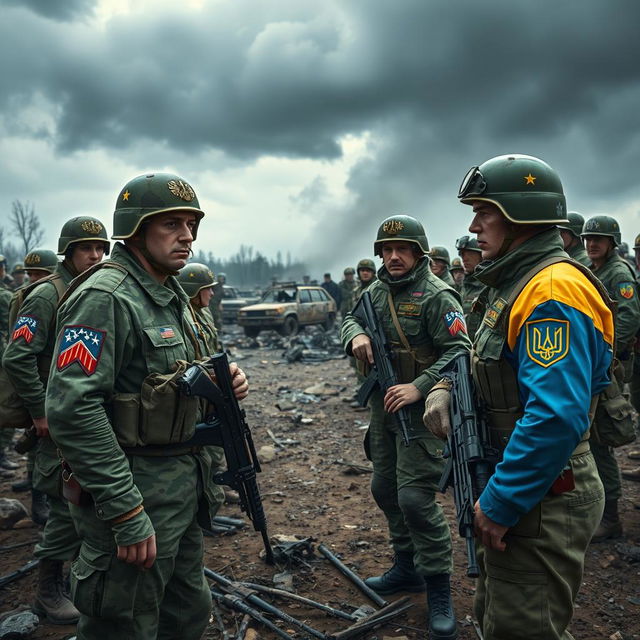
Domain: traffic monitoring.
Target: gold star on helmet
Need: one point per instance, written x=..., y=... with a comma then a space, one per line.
x=530, y=179
x=125, y=195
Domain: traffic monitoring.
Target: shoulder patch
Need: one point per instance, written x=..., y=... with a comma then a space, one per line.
x=25, y=327
x=493, y=312
x=82, y=345
x=626, y=290
x=454, y=321
x=547, y=340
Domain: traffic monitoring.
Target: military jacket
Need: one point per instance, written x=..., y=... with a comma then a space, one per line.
x=429, y=314
x=578, y=253
x=5, y=301
x=115, y=329
x=218, y=294
x=447, y=278
x=204, y=327
x=537, y=363
x=471, y=289
x=620, y=281
x=348, y=295
x=28, y=355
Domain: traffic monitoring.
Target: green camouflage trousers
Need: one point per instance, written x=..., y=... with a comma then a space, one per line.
x=528, y=591
x=608, y=470
x=171, y=599
x=217, y=465
x=403, y=485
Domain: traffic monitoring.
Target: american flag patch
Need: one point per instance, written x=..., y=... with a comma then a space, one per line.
x=82, y=345
x=25, y=327
x=167, y=332
x=455, y=322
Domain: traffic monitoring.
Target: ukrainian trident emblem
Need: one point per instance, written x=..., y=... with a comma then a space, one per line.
x=547, y=340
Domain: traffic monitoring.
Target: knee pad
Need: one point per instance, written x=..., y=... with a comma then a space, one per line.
x=384, y=492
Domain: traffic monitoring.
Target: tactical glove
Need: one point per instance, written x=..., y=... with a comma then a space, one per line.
x=436, y=410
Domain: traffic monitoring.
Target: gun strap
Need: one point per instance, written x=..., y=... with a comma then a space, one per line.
x=396, y=324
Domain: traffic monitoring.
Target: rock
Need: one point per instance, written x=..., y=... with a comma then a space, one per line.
x=11, y=511
x=283, y=581
x=285, y=405
x=267, y=453
x=322, y=389
x=19, y=625
x=616, y=636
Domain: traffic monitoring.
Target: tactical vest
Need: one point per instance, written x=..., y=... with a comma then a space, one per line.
x=495, y=379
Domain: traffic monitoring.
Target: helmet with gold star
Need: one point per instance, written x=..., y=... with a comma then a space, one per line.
x=574, y=224
x=401, y=228
x=41, y=260
x=82, y=229
x=524, y=188
x=194, y=277
x=151, y=194
x=603, y=226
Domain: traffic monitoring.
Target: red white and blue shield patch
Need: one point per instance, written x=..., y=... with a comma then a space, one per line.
x=454, y=320
x=25, y=327
x=82, y=345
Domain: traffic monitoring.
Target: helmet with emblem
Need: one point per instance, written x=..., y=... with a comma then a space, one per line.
x=41, y=260
x=524, y=188
x=574, y=224
x=467, y=243
x=401, y=228
x=3, y=261
x=17, y=268
x=636, y=242
x=82, y=229
x=349, y=271
x=366, y=263
x=194, y=277
x=440, y=253
x=151, y=194
x=456, y=265
x=603, y=226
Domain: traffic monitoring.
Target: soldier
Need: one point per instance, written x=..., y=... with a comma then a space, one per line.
x=440, y=264
x=27, y=359
x=634, y=384
x=332, y=289
x=40, y=263
x=457, y=273
x=124, y=337
x=348, y=291
x=541, y=354
x=215, y=305
x=602, y=235
x=366, y=270
x=6, y=281
x=423, y=320
x=18, y=274
x=7, y=466
x=570, y=233
x=472, y=303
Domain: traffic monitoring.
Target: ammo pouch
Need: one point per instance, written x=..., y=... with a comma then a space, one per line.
x=613, y=425
x=410, y=363
x=158, y=415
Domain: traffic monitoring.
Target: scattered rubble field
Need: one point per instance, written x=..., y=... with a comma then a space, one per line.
x=315, y=488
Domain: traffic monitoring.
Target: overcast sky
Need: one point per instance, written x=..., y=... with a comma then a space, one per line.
x=301, y=124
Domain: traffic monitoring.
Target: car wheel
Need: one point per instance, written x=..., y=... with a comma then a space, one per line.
x=251, y=332
x=327, y=325
x=290, y=326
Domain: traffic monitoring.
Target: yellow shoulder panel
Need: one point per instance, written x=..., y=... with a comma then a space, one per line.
x=566, y=284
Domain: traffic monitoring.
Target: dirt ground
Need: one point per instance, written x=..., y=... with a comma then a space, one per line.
x=308, y=492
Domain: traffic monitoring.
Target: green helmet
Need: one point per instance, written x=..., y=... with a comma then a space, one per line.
x=440, y=253
x=467, y=243
x=636, y=243
x=602, y=226
x=3, y=261
x=349, y=271
x=525, y=189
x=82, y=229
x=400, y=228
x=41, y=260
x=575, y=223
x=149, y=195
x=194, y=277
x=366, y=263
x=17, y=268
x=456, y=265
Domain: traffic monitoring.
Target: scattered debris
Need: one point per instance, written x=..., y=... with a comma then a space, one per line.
x=11, y=511
x=354, y=468
x=18, y=625
x=322, y=389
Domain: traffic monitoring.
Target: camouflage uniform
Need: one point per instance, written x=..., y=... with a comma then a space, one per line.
x=5, y=301
x=348, y=294
x=215, y=305
x=137, y=328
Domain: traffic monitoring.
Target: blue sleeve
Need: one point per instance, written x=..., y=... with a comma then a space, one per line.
x=561, y=360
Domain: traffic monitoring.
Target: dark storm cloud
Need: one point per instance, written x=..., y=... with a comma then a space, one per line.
x=55, y=9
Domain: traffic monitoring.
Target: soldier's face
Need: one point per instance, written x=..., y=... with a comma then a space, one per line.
x=438, y=267
x=365, y=275
x=204, y=297
x=598, y=247
x=169, y=237
x=86, y=254
x=36, y=275
x=398, y=257
x=469, y=259
x=490, y=227
x=458, y=276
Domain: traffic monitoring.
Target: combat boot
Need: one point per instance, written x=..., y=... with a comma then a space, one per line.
x=39, y=507
x=401, y=577
x=610, y=526
x=7, y=464
x=441, y=617
x=22, y=485
x=50, y=602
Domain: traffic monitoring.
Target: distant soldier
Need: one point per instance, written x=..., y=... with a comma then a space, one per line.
x=457, y=273
x=18, y=274
x=332, y=289
x=366, y=270
x=215, y=305
x=472, y=305
x=39, y=263
x=306, y=280
x=6, y=281
x=27, y=360
x=570, y=233
x=440, y=264
x=602, y=235
x=348, y=291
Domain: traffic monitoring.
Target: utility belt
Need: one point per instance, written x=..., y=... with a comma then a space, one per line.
x=162, y=451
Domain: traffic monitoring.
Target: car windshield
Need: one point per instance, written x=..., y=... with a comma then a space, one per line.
x=279, y=295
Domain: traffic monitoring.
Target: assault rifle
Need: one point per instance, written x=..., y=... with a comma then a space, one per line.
x=470, y=459
x=225, y=426
x=382, y=373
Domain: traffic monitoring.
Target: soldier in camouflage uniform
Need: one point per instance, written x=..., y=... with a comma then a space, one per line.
x=6, y=281
x=541, y=354
x=124, y=336
x=570, y=233
x=472, y=301
x=348, y=291
x=423, y=321
x=366, y=270
x=634, y=384
x=457, y=273
x=602, y=235
x=18, y=274
x=440, y=264
x=215, y=305
x=27, y=359
x=7, y=467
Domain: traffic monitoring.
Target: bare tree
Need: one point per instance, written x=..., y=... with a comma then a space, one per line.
x=26, y=224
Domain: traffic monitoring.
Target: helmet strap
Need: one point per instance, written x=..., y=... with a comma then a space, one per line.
x=69, y=266
x=140, y=243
